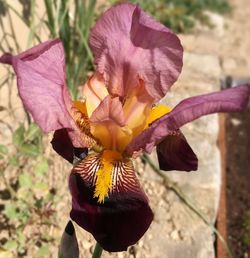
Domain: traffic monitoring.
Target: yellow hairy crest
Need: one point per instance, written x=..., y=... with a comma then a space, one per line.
x=104, y=174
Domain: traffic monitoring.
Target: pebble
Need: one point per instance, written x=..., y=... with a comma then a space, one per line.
x=175, y=235
x=86, y=244
x=140, y=244
x=120, y=255
x=235, y=122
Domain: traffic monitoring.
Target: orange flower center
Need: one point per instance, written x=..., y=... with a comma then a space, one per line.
x=137, y=109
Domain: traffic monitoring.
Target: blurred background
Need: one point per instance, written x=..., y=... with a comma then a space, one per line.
x=34, y=197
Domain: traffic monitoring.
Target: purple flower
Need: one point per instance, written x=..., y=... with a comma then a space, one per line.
x=137, y=60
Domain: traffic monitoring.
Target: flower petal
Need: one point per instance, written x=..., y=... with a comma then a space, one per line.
x=174, y=153
x=230, y=100
x=150, y=51
x=80, y=134
x=41, y=83
x=107, y=120
x=62, y=144
x=124, y=216
x=94, y=91
x=109, y=110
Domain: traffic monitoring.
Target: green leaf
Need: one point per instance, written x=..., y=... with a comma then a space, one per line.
x=32, y=132
x=10, y=210
x=43, y=251
x=10, y=245
x=21, y=237
x=14, y=161
x=25, y=180
x=24, y=215
x=41, y=186
x=246, y=239
x=29, y=150
x=18, y=136
x=51, y=18
x=3, y=149
x=41, y=167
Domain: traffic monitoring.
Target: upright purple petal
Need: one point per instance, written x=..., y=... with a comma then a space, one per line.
x=41, y=84
x=118, y=223
x=230, y=100
x=174, y=153
x=129, y=45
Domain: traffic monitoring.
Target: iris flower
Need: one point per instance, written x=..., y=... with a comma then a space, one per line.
x=137, y=60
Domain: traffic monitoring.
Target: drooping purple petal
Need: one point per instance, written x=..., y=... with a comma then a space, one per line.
x=230, y=100
x=129, y=45
x=62, y=144
x=124, y=216
x=41, y=84
x=174, y=153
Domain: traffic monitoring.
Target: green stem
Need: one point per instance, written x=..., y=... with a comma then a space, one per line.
x=172, y=186
x=98, y=251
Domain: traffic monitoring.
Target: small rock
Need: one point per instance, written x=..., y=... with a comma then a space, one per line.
x=150, y=236
x=86, y=244
x=235, y=122
x=140, y=244
x=175, y=235
x=218, y=23
x=120, y=255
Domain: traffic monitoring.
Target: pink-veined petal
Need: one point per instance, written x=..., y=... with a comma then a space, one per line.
x=129, y=45
x=230, y=100
x=174, y=153
x=41, y=84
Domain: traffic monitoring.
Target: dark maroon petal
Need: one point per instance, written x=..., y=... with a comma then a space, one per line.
x=230, y=100
x=62, y=144
x=174, y=153
x=118, y=223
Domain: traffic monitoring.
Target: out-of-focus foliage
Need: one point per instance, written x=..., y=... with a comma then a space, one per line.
x=73, y=27
x=181, y=15
x=31, y=198
x=27, y=195
x=71, y=23
x=246, y=226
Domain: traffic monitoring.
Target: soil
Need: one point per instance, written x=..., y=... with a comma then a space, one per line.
x=237, y=180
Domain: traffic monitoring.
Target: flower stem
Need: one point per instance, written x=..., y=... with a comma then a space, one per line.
x=98, y=251
x=173, y=186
